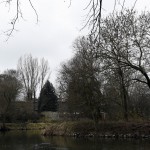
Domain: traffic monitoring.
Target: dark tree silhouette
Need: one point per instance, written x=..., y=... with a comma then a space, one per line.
x=48, y=98
x=10, y=88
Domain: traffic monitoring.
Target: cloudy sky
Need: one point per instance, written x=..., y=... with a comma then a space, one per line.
x=55, y=32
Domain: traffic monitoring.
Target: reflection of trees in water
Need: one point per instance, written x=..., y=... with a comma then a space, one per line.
x=46, y=146
x=30, y=140
x=42, y=146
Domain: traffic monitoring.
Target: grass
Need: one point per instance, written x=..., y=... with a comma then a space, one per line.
x=26, y=126
x=84, y=128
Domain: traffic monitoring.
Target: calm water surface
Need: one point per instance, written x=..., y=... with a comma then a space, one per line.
x=32, y=140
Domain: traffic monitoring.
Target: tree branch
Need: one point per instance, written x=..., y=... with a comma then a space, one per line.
x=17, y=16
x=136, y=79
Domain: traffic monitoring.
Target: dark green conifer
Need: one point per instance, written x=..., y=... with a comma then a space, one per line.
x=48, y=99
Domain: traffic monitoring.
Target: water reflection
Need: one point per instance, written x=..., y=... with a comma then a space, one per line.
x=47, y=146
x=32, y=140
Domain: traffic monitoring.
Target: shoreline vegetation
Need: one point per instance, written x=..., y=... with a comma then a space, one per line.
x=86, y=129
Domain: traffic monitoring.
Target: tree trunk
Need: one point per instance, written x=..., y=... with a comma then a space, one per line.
x=124, y=95
x=3, y=128
x=125, y=103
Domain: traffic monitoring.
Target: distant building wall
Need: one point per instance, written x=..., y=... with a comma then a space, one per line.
x=51, y=115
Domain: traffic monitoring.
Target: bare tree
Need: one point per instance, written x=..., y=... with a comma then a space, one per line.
x=81, y=82
x=9, y=90
x=124, y=47
x=94, y=15
x=139, y=101
x=119, y=78
x=126, y=37
x=44, y=70
x=32, y=74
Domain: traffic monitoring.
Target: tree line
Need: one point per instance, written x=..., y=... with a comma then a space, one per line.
x=19, y=90
x=110, y=75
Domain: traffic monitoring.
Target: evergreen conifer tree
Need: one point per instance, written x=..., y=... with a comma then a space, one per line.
x=48, y=99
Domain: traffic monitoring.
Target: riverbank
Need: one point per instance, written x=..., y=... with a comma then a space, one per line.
x=104, y=129
x=87, y=129
x=26, y=126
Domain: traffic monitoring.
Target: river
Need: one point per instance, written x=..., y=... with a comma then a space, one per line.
x=32, y=140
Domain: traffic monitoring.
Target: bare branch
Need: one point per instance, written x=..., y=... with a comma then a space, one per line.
x=114, y=6
x=134, y=4
x=34, y=10
x=88, y=5
x=138, y=80
x=13, y=22
x=18, y=15
x=70, y=3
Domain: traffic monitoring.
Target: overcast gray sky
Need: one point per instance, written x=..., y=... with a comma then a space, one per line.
x=54, y=34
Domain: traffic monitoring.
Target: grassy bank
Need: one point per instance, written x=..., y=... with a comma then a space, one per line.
x=86, y=129
x=27, y=126
x=104, y=129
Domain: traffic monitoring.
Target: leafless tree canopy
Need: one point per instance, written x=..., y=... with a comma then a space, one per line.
x=32, y=74
x=80, y=81
x=120, y=57
x=125, y=38
x=9, y=89
x=94, y=16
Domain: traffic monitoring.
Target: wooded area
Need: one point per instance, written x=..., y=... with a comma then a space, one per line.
x=108, y=77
